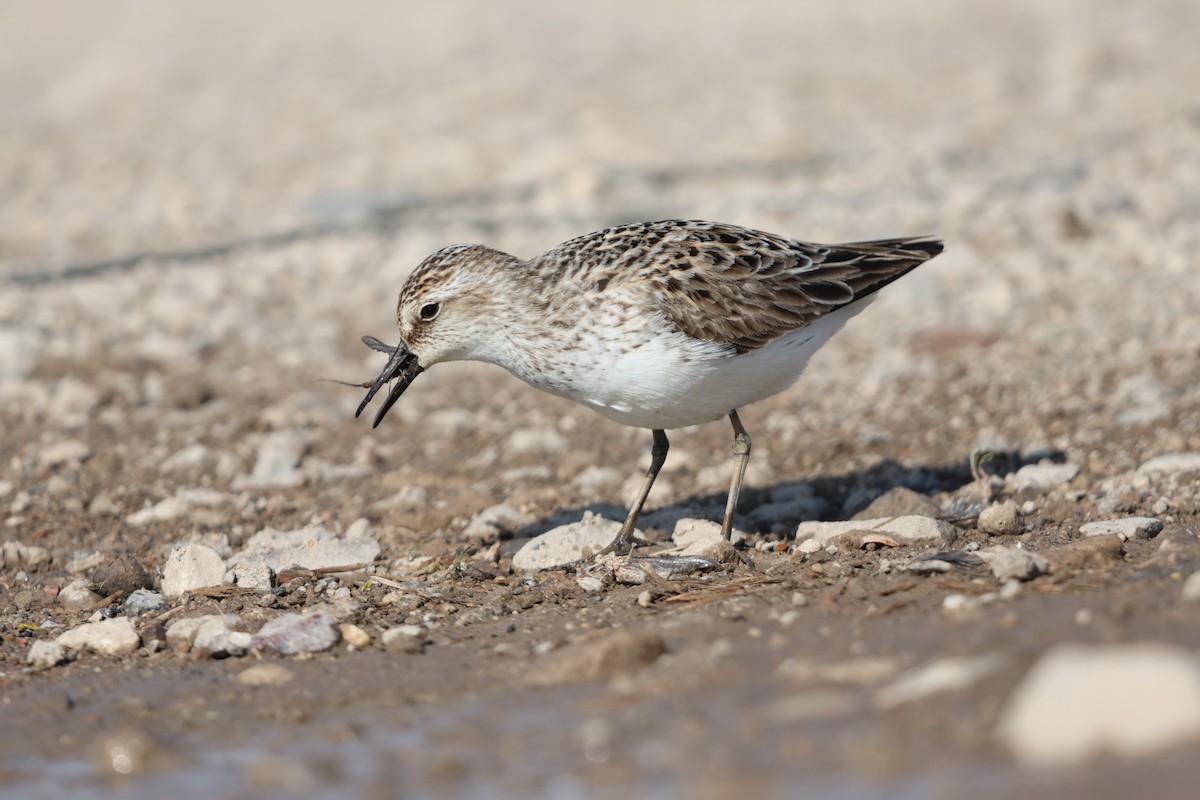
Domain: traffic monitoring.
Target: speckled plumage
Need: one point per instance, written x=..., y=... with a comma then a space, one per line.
x=657, y=324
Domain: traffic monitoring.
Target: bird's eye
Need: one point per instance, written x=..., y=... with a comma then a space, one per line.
x=429, y=311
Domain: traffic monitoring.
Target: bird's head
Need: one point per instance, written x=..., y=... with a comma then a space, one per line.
x=445, y=313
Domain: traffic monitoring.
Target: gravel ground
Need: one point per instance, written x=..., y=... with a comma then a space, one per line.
x=215, y=580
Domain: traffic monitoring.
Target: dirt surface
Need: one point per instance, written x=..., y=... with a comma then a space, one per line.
x=207, y=207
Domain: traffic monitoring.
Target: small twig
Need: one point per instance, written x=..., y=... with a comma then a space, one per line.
x=108, y=601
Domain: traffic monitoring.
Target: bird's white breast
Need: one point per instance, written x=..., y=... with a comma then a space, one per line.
x=654, y=377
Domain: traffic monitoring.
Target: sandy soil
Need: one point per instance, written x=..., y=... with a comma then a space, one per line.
x=205, y=208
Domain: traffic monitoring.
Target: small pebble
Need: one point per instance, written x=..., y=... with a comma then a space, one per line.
x=291, y=634
x=590, y=584
x=954, y=603
x=929, y=566
x=403, y=639
x=265, y=674
x=45, y=654
x=809, y=546
x=355, y=636
x=1000, y=520
x=77, y=596
x=1127, y=528
x=144, y=601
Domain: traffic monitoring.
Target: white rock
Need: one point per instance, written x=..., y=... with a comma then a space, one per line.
x=251, y=575
x=958, y=603
x=71, y=402
x=191, y=567
x=690, y=531
x=1127, y=528
x=627, y=574
x=103, y=506
x=1015, y=563
x=109, y=637
x=1171, y=464
x=44, y=654
x=23, y=556
x=1043, y=476
x=929, y=566
x=143, y=601
x=593, y=480
x=216, y=638
x=67, y=452
x=409, y=498
x=192, y=457
x=590, y=584
x=1191, y=588
x=1079, y=703
x=1000, y=520
x=292, y=634
x=403, y=638
x=906, y=530
x=182, y=632
x=536, y=440
x=181, y=504
x=942, y=675
x=266, y=674
x=702, y=538
x=566, y=544
x=355, y=636
x=494, y=522
x=77, y=596
x=413, y=631
x=311, y=547
x=277, y=464
x=84, y=562
x=20, y=348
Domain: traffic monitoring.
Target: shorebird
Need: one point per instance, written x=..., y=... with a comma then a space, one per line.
x=656, y=325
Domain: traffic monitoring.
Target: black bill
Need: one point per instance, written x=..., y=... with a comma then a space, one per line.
x=401, y=367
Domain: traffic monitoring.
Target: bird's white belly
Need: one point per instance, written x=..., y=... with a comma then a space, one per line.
x=672, y=381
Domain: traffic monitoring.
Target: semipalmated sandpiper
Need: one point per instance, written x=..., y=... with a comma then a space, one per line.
x=657, y=325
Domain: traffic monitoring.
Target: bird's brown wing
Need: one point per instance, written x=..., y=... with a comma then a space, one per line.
x=745, y=288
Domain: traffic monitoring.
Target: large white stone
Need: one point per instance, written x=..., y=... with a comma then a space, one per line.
x=1170, y=464
x=109, y=637
x=191, y=567
x=311, y=547
x=1127, y=528
x=44, y=654
x=1044, y=475
x=1080, y=702
x=910, y=529
x=566, y=544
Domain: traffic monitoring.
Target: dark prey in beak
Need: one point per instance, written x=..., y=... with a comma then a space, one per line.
x=402, y=367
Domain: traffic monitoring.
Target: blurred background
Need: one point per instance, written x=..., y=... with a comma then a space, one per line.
x=332, y=146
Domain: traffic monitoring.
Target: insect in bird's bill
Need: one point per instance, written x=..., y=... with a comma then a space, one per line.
x=656, y=325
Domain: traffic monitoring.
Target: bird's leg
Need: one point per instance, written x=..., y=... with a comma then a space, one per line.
x=658, y=455
x=741, y=457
